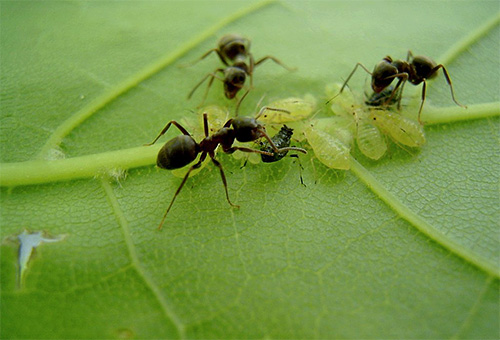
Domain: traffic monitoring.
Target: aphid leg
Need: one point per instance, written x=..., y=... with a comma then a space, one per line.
x=162, y=132
x=448, y=80
x=277, y=61
x=264, y=108
x=196, y=166
x=347, y=80
x=217, y=163
x=213, y=75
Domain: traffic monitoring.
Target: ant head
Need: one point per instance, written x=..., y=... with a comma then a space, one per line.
x=233, y=45
x=424, y=67
x=383, y=75
x=234, y=80
x=247, y=129
x=177, y=152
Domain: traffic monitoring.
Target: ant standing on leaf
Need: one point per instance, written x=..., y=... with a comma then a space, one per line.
x=183, y=149
x=234, y=52
x=416, y=70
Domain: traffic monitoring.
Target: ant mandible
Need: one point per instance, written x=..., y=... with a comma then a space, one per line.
x=416, y=70
x=183, y=149
x=234, y=51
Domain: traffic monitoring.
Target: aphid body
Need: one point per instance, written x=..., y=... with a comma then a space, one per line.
x=281, y=139
x=328, y=149
x=403, y=130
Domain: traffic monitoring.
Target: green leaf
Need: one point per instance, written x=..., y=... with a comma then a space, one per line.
x=405, y=247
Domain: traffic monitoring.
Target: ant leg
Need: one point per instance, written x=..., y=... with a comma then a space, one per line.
x=243, y=149
x=205, y=123
x=213, y=75
x=403, y=77
x=277, y=61
x=448, y=80
x=204, y=56
x=409, y=55
x=217, y=163
x=348, y=78
x=424, y=86
x=196, y=166
x=162, y=132
x=239, y=102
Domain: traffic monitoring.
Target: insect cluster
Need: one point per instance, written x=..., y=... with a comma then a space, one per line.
x=367, y=121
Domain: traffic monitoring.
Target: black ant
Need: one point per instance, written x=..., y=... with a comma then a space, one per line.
x=416, y=70
x=183, y=149
x=234, y=51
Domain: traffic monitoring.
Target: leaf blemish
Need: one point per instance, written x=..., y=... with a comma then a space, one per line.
x=28, y=241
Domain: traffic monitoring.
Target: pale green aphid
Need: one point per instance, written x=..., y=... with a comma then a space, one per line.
x=298, y=109
x=402, y=129
x=328, y=149
x=371, y=142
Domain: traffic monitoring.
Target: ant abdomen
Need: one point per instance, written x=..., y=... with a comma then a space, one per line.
x=424, y=69
x=177, y=153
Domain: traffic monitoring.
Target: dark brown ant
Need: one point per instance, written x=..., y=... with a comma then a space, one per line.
x=416, y=70
x=230, y=48
x=183, y=149
x=234, y=51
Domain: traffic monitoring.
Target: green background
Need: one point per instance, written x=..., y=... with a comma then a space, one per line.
x=328, y=260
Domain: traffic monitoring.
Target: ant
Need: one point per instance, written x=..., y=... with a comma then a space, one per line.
x=183, y=149
x=416, y=70
x=234, y=51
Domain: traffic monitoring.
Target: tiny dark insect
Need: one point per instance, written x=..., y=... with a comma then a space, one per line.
x=234, y=52
x=183, y=149
x=281, y=140
x=416, y=70
x=384, y=98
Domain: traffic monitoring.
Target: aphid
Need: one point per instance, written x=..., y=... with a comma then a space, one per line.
x=234, y=51
x=296, y=109
x=328, y=149
x=369, y=139
x=183, y=149
x=403, y=130
x=416, y=70
x=281, y=140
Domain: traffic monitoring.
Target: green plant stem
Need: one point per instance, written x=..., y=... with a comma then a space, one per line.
x=44, y=171
x=41, y=171
x=420, y=223
x=468, y=40
x=440, y=115
x=87, y=111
